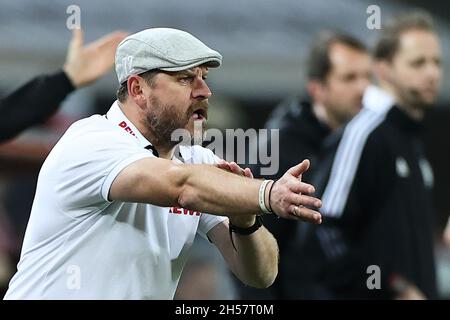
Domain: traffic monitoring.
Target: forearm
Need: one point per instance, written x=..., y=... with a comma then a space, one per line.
x=253, y=258
x=256, y=258
x=198, y=187
x=209, y=189
x=206, y=188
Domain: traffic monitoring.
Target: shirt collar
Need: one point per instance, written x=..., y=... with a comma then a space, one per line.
x=116, y=116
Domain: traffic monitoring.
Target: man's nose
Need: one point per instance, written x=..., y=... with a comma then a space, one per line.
x=433, y=71
x=201, y=90
x=363, y=83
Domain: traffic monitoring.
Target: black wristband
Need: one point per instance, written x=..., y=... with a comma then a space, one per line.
x=270, y=193
x=249, y=230
x=245, y=231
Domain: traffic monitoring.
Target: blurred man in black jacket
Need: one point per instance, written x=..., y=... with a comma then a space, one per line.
x=377, y=240
x=338, y=73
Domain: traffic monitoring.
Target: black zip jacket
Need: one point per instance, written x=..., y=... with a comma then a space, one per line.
x=381, y=214
x=300, y=137
x=33, y=103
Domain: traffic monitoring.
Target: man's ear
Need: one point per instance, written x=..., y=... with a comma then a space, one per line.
x=135, y=90
x=382, y=70
x=316, y=90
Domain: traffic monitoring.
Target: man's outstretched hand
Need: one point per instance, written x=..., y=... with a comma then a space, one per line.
x=85, y=64
x=292, y=199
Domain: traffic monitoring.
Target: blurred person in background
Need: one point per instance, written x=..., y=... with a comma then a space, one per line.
x=39, y=98
x=33, y=104
x=377, y=197
x=338, y=72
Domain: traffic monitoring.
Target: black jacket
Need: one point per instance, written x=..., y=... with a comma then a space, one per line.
x=33, y=103
x=300, y=137
x=381, y=214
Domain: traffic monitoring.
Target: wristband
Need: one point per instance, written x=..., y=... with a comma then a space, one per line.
x=249, y=230
x=270, y=193
x=245, y=231
x=262, y=196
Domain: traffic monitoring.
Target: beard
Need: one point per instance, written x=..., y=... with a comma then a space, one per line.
x=162, y=120
x=415, y=97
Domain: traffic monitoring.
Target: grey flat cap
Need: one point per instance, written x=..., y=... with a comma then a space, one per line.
x=162, y=48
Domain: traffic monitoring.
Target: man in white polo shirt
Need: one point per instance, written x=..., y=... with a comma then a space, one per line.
x=117, y=209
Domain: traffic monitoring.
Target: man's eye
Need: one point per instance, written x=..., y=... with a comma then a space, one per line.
x=187, y=79
x=417, y=63
x=349, y=77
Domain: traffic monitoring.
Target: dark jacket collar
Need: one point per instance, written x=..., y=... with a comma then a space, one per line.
x=305, y=122
x=399, y=118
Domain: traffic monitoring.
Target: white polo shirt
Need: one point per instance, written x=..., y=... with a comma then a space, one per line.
x=79, y=245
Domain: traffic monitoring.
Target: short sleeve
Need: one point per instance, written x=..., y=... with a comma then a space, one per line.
x=86, y=166
x=207, y=222
x=198, y=155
